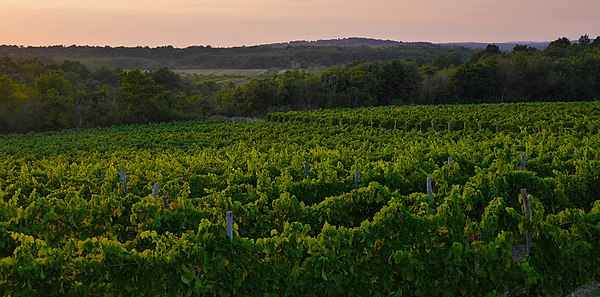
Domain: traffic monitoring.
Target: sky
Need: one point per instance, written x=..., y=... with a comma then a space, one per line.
x=224, y=23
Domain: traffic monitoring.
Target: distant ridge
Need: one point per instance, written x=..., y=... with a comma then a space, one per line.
x=293, y=54
x=375, y=43
x=504, y=46
x=285, y=55
x=349, y=42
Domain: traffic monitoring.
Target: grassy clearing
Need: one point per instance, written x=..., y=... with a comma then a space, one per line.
x=219, y=72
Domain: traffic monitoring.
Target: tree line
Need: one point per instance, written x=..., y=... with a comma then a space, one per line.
x=564, y=71
x=36, y=96
x=207, y=57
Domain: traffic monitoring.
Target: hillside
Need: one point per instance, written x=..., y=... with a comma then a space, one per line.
x=297, y=54
x=292, y=54
x=347, y=42
x=504, y=46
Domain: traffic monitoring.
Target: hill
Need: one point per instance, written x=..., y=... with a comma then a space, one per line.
x=285, y=55
x=296, y=54
x=504, y=46
x=347, y=42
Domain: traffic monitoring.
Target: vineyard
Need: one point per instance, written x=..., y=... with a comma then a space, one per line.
x=462, y=200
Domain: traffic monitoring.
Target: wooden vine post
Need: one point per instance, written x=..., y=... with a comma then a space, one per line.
x=306, y=169
x=430, y=189
x=527, y=211
x=229, y=222
x=229, y=216
x=166, y=202
x=155, y=191
x=123, y=177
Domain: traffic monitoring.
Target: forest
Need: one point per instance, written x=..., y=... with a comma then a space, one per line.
x=282, y=55
x=41, y=96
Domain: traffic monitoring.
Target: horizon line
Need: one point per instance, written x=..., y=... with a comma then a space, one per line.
x=280, y=43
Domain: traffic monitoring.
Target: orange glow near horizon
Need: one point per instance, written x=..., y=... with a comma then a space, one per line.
x=183, y=23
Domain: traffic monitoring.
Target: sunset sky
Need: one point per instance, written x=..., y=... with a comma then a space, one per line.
x=183, y=23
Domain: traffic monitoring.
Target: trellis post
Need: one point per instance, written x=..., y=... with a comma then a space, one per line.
x=123, y=177
x=527, y=211
x=229, y=216
x=430, y=189
x=155, y=191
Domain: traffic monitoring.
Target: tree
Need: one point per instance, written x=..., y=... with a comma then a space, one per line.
x=10, y=98
x=531, y=75
x=588, y=76
x=255, y=98
x=561, y=42
x=9, y=90
x=490, y=50
x=56, y=100
x=361, y=90
x=107, y=76
x=472, y=83
x=167, y=78
x=206, y=87
x=335, y=81
x=398, y=82
x=558, y=48
x=76, y=68
x=107, y=108
x=447, y=60
x=503, y=75
x=259, y=95
x=521, y=48
x=29, y=70
x=137, y=92
x=8, y=66
x=584, y=40
x=290, y=90
x=436, y=89
x=53, y=81
x=561, y=81
x=59, y=110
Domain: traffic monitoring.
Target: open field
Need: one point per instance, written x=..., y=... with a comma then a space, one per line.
x=243, y=72
x=222, y=72
x=323, y=203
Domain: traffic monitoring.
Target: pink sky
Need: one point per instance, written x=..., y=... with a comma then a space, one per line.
x=183, y=23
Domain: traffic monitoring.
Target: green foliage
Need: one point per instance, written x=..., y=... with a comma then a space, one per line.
x=53, y=82
x=473, y=82
x=67, y=228
x=250, y=57
x=40, y=96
